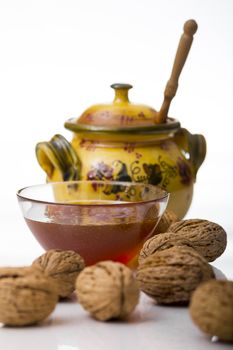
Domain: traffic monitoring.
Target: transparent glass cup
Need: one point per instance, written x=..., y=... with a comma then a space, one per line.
x=100, y=220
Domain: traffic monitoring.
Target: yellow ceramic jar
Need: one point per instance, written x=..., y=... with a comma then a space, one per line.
x=121, y=141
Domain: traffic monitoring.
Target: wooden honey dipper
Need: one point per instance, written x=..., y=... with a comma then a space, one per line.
x=190, y=28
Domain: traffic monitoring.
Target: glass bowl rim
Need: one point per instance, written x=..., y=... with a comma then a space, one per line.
x=164, y=193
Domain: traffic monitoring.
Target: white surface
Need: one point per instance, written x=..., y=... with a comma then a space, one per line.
x=149, y=327
x=59, y=56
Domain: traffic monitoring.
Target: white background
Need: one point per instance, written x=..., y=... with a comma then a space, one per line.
x=57, y=57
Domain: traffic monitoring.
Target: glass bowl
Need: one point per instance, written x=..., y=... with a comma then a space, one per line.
x=99, y=220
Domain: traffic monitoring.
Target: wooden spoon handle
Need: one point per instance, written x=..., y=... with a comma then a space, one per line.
x=190, y=28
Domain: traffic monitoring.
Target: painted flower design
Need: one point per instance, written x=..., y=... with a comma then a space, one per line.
x=184, y=171
x=101, y=171
x=153, y=172
x=88, y=144
x=129, y=147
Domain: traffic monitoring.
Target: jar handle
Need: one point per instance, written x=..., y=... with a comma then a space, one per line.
x=194, y=145
x=58, y=159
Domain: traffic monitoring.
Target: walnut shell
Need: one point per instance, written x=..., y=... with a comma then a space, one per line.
x=27, y=296
x=207, y=237
x=63, y=266
x=162, y=241
x=211, y=308
x=170, y=276
x=107, y=290
x=168, y=218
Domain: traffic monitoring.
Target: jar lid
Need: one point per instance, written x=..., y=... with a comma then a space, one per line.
x=120, y=116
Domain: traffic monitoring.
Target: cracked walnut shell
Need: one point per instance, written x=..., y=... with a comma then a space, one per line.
x=63, y=266
x=107, y=290
x=161, y=242
x=207, y=237
x=211, y=309
x=27, y=296
x=170, y=276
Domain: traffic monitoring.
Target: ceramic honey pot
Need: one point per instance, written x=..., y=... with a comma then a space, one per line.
x=131, y=142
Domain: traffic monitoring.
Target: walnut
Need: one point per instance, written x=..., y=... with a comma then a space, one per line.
x=162, y=241
x=63, y=266
x=211, y=308
x=107, y=290
x=168, y=218
x=27, y=296
x=170, y=276
x=207, y=237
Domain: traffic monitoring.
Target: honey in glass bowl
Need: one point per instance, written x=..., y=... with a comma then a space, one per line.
x=100, y=221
